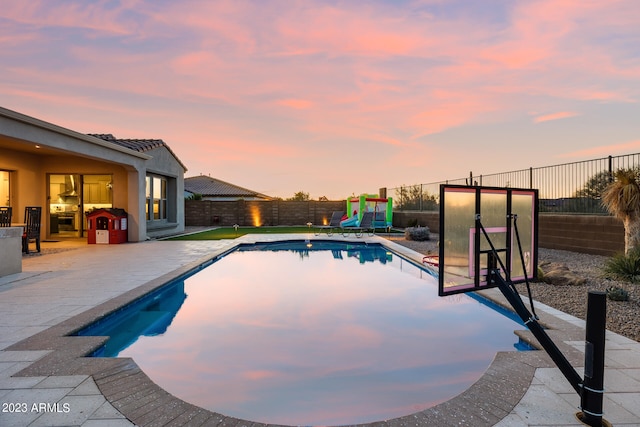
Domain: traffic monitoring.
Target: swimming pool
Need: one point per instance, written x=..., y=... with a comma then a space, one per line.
x=309, y=333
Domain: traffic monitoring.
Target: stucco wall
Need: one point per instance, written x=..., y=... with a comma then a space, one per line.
x=163, y=163
x=26, y=189
x=10, y=250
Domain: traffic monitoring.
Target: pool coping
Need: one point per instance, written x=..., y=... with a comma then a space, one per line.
x=136, y=396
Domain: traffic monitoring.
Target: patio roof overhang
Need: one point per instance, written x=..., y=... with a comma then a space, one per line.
x=19, y=132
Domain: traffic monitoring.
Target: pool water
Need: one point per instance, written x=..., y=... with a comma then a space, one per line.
x=310, y=333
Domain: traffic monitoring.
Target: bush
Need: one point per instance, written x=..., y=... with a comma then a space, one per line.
x=624, y=267
x=419, y=234
x=615, y=293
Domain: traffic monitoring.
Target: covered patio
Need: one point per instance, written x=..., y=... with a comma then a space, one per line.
x=69, y=174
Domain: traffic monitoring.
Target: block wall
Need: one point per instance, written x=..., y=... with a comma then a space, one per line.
x=264, y=213
x=593, y=234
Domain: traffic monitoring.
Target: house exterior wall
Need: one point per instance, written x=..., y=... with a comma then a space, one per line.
x=64, y=151
x=25, y=187
x=29, y=183
x=163, y=163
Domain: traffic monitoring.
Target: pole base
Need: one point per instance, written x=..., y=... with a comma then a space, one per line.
x=604, y=423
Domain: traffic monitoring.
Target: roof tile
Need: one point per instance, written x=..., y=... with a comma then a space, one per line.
x=208, y=186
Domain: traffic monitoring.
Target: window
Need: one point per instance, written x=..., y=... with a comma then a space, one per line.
x=156, y=198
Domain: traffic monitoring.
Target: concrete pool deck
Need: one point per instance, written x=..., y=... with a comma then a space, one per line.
x=45, y=381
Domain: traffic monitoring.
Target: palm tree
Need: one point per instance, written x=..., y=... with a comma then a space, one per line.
x=622, y=199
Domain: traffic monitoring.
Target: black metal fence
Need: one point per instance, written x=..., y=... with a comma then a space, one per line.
x=566, y=188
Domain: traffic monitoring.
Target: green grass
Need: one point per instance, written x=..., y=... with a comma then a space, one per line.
x=231, y=233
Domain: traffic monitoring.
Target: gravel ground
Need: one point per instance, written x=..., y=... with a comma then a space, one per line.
x=622, y=317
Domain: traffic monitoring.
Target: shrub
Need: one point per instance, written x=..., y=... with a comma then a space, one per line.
x=615, y=293
x=419, y=234
x=624, y=267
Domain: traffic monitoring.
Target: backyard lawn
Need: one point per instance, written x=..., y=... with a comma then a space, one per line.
x=231, y=233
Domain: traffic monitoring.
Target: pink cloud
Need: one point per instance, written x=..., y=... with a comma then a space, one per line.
x=208, y=74
x=91, y=16
x=256, y=375
x=604, y=150
x=296, y=104
x=554, y=116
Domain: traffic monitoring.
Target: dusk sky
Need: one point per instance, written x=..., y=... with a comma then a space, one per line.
x=332, y=97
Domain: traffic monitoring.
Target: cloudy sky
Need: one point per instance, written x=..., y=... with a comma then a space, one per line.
x=334, y=97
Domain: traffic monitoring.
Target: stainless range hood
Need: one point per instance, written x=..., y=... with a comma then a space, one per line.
x=70, y=187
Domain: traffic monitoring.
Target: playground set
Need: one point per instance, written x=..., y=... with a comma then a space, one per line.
x=382, y=209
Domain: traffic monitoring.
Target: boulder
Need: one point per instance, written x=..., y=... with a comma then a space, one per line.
x=559, y=274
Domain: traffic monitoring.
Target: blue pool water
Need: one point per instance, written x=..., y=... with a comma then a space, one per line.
x=309, y=333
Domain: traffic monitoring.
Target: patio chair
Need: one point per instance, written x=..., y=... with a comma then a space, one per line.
x=5, y=216
x=334, y=223
x=32, y=219
x=366, y=224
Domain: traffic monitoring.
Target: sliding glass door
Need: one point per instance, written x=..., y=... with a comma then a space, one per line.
x=96, y=194
x=65, y=202
x=71, y=197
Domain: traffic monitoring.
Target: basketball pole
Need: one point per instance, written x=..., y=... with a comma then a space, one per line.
x=591, y=390
x=536, y=329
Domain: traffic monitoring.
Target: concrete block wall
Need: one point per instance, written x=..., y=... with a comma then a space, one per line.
x=591, y=234
x=265, y=213
x=294, y=213
x=425, y=219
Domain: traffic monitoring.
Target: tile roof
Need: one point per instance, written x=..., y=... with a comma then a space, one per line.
x=139, y=145
x=208, y=186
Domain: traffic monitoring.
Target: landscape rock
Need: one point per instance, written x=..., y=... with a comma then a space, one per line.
x=418, y=234
x=559, y=274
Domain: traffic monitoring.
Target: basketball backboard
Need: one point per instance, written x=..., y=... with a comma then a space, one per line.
x=470, y=214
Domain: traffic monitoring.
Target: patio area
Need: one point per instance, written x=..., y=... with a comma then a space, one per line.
x=46, y=381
